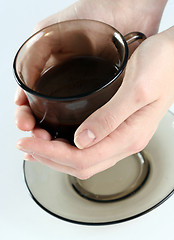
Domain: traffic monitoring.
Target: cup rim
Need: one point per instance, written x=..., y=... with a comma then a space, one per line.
x=33, y=92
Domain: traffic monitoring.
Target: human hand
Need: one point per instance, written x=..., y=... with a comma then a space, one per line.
x=117, y=14
x=143, y=16
x=125, y=124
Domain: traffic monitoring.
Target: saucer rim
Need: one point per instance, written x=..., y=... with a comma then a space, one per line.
x=96, y=223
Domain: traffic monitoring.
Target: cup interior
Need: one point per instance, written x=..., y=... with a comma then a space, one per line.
x=55, y=44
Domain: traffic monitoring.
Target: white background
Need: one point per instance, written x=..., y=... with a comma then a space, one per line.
x=20, y=217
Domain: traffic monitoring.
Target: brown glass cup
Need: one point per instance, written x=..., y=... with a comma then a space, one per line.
x=55, y=45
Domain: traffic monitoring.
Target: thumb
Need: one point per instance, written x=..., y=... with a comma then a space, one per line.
x=130, y=97
x=106, y=119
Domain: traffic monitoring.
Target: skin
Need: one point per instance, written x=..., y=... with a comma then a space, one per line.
x=124, y=125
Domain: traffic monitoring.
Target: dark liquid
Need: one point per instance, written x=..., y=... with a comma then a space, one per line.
x=77, y=76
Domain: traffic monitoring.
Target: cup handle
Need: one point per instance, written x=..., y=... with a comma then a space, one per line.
x=134, y=37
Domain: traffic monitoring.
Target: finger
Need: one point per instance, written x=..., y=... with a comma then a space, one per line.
x=125, y=140
x=20, y=97
x=41, y=133
x=24, y=118
x=51, y=164
x=79, y=173
x=57, y=151
x=54, y=165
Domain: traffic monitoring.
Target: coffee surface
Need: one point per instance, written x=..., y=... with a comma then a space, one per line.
x=75, y=77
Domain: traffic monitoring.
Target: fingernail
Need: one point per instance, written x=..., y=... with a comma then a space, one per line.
x=18, y=146
x=84, y=139
x=28, y=157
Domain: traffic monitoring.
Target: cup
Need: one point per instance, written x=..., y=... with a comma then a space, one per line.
x=101, y=54
x=70, y=69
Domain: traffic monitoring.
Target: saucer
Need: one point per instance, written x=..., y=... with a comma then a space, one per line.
x=54, y=192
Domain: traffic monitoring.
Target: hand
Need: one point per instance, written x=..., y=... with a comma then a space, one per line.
x=124, y=119
x=144, y=17
x=145, y=95
x=125, y=124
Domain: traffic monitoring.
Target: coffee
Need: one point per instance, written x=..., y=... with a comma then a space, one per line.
x=76, y=77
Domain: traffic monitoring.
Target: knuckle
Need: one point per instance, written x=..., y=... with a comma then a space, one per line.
x=138, y=145
x=143, y=93
x=108, y=122
x=83, y=174
x=39, y=26
x=81, y=165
